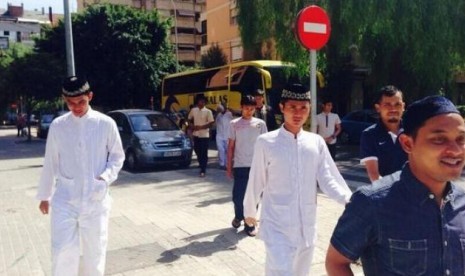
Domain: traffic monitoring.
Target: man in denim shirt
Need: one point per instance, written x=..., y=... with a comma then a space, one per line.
x=413, y=221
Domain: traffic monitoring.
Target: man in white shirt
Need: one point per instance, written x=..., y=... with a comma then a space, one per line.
x=83, y=156
x=243, y=134
x=287, y=164
x=202, y=119
x=328, y=126
x=223, y=119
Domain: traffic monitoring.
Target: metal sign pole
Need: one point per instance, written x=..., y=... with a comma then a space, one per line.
x=313, y=89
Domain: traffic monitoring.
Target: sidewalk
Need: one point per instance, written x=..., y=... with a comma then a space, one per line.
x=167, y=222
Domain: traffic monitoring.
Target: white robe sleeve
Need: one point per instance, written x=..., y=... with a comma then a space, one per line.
x=49, y=172
x=329, y=178
x=115, y=155
x=257, y=180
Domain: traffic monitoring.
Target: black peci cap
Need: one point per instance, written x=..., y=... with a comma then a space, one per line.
x=296, y=92
x=75, y=86
x=420, y=111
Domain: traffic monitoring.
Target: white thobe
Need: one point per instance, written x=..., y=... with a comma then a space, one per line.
x=222, y=131
x=288, y=170
x=78, y=152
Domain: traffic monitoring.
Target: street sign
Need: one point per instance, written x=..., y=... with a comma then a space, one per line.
x=313, y=27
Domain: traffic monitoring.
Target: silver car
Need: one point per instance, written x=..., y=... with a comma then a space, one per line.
x=151, y=138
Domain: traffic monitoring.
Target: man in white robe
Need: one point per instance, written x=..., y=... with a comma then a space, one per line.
x=289, y=164
x=83, y=156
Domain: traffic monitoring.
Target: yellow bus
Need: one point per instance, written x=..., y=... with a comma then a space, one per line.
x=225, y=85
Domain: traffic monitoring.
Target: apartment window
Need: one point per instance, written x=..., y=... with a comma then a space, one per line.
x=232, y=15
x=204, y=33
x=6, y=33
x=18, y=37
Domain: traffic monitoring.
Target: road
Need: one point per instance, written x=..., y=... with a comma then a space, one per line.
x=163, y=222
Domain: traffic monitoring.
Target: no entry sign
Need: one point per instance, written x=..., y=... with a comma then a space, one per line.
x=313, y=27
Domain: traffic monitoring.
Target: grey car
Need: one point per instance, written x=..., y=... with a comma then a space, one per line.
x=151, y=138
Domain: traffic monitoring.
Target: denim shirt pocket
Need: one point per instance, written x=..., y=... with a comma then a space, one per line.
x=408, y=257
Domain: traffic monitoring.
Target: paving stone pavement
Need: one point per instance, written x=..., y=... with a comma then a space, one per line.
x=163, y=222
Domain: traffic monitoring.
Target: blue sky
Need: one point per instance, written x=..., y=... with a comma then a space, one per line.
x=57, y=5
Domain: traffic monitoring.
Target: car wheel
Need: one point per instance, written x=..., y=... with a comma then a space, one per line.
x=344, y=138
x=185, y=164
x=131, y=161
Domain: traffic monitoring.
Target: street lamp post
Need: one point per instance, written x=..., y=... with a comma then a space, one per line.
x=176, y=34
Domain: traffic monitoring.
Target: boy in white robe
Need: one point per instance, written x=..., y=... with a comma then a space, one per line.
x=289, y=164
x=83, y=156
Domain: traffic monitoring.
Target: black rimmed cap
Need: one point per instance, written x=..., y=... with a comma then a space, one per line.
x=248, y=100
x=75, y=86
x=296, y=92
x=258, y=92
x=420, y=111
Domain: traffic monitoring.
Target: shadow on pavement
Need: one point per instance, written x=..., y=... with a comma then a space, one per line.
x=225, y=239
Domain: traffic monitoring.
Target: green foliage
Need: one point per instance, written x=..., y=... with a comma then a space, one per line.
x=124, y=53
x=261, y=20
x=412, y=44
x=214, y=57
x=7, y=57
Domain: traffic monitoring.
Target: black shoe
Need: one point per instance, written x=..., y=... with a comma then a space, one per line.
x=250, y=230
x=236, y=223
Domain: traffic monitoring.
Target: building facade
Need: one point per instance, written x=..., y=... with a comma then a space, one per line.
x=220, y=27
x=186, y=33
x=18, y=25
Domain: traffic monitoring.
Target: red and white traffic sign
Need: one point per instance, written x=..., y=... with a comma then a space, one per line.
x=313, y=27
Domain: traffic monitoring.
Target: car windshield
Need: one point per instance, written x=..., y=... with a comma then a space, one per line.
x=152, y=122
x=47, y=118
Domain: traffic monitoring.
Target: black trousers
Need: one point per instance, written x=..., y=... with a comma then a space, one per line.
x=201, y=150
x=332, y=150
x=241, y=177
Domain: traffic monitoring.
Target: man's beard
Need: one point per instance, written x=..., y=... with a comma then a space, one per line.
x=393, y=120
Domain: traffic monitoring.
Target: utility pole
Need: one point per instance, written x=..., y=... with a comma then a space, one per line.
x=69, y=44
x=69, y=40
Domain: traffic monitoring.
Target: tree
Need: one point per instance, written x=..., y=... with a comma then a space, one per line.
x=214, y=57
x=412, y=44
x=33, y=77
x=7, y=57
x=124, y=52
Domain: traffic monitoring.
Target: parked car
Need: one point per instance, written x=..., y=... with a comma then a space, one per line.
x=151, y=138
x=44, y=124
x=354, y=123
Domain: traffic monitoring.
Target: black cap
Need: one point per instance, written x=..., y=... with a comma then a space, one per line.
x=420, y=111
x=75, y=86
x=296, y=92
x=258, y=92
x=248, y=100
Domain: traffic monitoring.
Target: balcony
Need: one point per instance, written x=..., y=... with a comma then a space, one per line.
x=167, y=5
x=189, y=55
x=186, y=39
x=185, y=22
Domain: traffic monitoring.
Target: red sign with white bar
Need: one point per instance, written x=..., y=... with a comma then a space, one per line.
x=313, y=27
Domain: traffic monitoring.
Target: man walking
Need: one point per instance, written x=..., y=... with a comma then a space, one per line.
x=412, y=222
x=263, y=111
x=83, y=156
x=287, y=164
x=223, y=122
x=328, y=126
x=201, y=119
x=243, y=134
x=380, y=151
